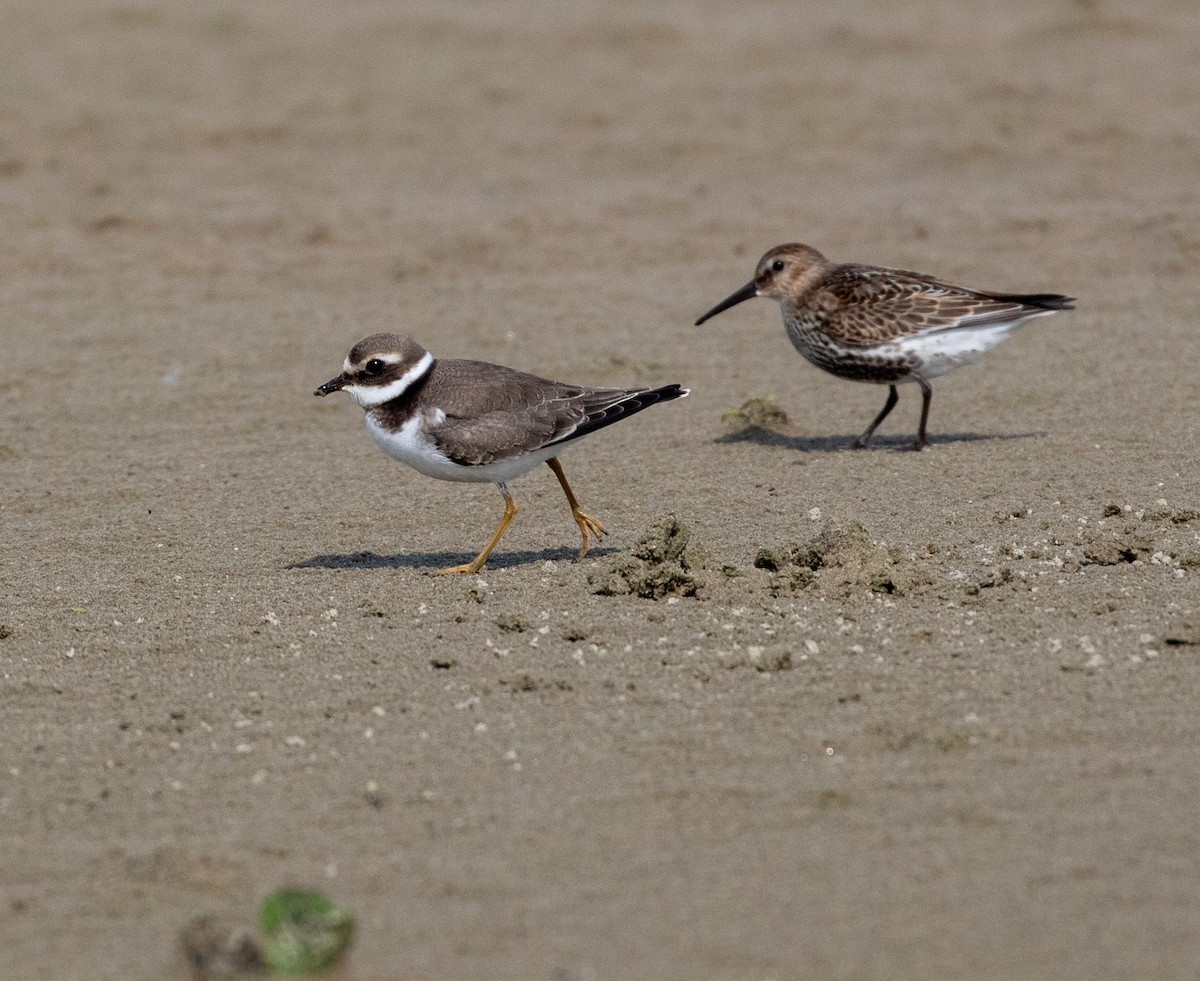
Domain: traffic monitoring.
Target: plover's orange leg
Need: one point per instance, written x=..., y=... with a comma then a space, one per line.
x=892, y=399
x=477, y=563
x=585, y=521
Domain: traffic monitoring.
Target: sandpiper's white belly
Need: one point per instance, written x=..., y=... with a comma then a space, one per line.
x=410, y=445
x=941, y=351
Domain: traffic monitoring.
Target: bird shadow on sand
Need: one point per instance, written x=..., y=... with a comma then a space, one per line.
x=432, y=561
x=837, y=444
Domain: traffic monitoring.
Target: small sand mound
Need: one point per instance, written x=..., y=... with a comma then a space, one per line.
x=840, y=560
x=762, y=412
x=216, y=948
x=1114, y=546
x=660, y=564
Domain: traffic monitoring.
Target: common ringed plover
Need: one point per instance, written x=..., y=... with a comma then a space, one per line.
x=478, y=422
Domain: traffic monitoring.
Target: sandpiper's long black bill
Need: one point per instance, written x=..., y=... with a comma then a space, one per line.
x=333, y=385
x=745, y=293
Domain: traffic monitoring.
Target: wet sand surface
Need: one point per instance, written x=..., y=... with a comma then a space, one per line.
x=807, y=712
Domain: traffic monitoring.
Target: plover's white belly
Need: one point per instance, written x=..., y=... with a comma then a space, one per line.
x=409, y=445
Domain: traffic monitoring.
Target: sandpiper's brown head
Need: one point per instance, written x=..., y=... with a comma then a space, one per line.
x=380, y=368
x=785, y=272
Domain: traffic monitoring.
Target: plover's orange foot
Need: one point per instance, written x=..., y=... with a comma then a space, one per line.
x=588, y=524
x=467, y=569
x=594, y=524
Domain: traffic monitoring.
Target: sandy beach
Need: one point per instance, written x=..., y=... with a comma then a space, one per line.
x=807, y=712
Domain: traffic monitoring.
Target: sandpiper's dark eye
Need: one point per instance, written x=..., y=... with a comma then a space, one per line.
x=777, y=265
x=374, y=366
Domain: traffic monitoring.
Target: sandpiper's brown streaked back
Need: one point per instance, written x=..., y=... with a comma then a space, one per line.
x=479, y=422
x=887, y=326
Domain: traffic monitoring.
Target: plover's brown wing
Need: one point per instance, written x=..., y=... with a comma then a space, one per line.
x=494, y=413
x=862, y=306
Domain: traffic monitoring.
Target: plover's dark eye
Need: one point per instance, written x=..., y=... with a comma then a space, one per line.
x=777, y=265
x=374, y=366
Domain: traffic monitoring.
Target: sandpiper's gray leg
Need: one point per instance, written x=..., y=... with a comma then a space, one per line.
x=892, y=399
x=926, y=398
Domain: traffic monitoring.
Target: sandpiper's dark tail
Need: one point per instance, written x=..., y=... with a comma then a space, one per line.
x=605, y=407
x=1039, y=301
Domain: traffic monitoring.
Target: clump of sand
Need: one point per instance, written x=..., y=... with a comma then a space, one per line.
x=214, y=947
x=840, y=560
x=760, y=412
x=662, y=563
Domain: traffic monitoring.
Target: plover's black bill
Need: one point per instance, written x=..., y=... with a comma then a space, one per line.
x=333, y=385
x=747, y=292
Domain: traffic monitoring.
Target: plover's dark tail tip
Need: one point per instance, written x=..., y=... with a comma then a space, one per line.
x=667, y=393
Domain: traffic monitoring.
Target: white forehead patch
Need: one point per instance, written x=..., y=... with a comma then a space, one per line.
x=369, y=396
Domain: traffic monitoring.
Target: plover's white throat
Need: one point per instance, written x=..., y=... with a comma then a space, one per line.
x=874, y=324
x=478, y=422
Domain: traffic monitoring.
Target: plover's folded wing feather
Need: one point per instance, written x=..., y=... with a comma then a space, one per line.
x=497, y=435
x=500, y=413
x=861, y=306
x=487, y=412
x=602, y=407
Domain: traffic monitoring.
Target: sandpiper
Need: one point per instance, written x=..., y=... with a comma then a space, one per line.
x=478, y=422
x=874, y=324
